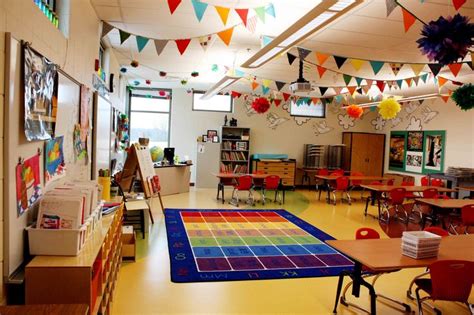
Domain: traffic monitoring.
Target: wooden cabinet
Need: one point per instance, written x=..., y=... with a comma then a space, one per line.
x=284, y=168
x=364, y=152
x=88, y=278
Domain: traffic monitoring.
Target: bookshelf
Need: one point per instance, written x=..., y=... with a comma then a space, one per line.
x=234, y=155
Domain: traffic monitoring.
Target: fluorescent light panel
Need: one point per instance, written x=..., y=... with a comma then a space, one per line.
x=219, y=86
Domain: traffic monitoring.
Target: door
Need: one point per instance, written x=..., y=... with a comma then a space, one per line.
x=375, y=153
x=360, y=154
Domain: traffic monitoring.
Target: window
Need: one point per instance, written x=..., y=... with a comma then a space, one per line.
x=150, y=116
x=308, y=109
x=49, y=9
x=217, y=103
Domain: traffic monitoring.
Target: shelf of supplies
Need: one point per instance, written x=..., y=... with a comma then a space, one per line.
x=235, y=150
x=226, y=139
x=240, y=161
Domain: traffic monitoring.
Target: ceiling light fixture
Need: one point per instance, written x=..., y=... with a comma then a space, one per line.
x=320, y=16
x=400, y=100
x=219, y=86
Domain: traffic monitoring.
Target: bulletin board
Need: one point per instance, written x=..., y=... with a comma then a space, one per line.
x=16, y=146
x=419, y=152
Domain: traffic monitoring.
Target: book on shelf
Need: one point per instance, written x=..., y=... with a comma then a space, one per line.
x=233, y=156
x=228, y=168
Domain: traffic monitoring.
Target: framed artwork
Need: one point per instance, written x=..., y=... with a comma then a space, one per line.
x=54, y=166
x=434, y=144
x=215, y=139
x=397, y=151
x=415, y=141
x=211, y=134
x=414, y=162
x=204, y=138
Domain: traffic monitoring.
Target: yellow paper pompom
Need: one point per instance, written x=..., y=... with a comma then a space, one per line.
x=389, y=108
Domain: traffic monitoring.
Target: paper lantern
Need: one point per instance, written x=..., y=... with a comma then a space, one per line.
x=464, y=96
x=261, y=105
x=194, y=74
x=389, y=108
x=134, y=63
x=354, y=111
x=162, y=74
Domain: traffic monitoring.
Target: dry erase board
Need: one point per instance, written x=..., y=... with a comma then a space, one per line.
x=101, y=134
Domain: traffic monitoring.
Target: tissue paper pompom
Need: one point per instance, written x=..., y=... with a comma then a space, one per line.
x=464, y=96
x=389, y=108
x=447, y=40
x=354, y=111
x=261, y=105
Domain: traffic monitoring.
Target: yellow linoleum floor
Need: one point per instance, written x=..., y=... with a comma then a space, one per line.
x=144, y=286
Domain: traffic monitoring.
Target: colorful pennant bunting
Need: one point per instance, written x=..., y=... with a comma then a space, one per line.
x=199, y=8
x=380, y=85
x=321, y=58
x=260, y=13
x=123, y=36
x=182, y=44
x=359, y=81
x=160, y=44
x=455, y=68
x=396, y=67
x=235, y=94
x=254, y=85
x=303, y=53
x=339, y=61
x=242, y=13
x=458, y=4
x=417, y=67
x=266, y=40
x=141, y=42
x=347, y=78
x=416, y=80
x=286, y=96
x=223, y=13
x=424, y=77
x=266, y=82
x=265, y=90
x=173, y=4
x=252, y=24
x=391, y=5
x=442, y=81
x=321, y=70
x=357, y=63
x=322, y=90
x=291, y=58
x=106, y=28
x=277, y=102
x=435, y=68
x=399, y=83
x=270, y=10
x=351, y=89
x=409, y=81
x=206, y=41
x=226, y=35
x=408, y=19
x=376, y=66
x=279, y=85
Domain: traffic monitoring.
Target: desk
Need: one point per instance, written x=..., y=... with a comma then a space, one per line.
x=227, y=179
x=174, y=179
x=386, y=254
x=470, y=189
x=441, y=204
x=45, y=309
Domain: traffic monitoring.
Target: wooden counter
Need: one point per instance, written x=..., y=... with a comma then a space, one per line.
x=174, y=179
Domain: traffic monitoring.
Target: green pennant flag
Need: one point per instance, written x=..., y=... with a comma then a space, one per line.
x=123, y=36
x=376, y=66
x=424, y=77
x=260, y=13
x=347, y=78
x=399, y=83
x=141, y=42
x=359, y=81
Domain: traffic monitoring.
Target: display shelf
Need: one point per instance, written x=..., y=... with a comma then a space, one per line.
x=235, y=150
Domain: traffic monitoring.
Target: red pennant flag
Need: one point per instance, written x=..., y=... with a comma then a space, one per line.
x=445, y=98
x=381, y=85
x=352, y=89
x=243, y=13
x=409, y=81
x=277, y=102
x=173, y=4
x=408, y=19
x=182, y=44
x=458, y=4
x=286, y=96
x=314, y=100
x=321, y=70
x=455, y=68
x=235, y=94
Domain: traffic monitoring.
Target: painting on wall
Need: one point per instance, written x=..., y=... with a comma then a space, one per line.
x=414, y=162
x=86, y=101
x=54, y=166
x=434, y=151
x=415, y=141
x=397, y=151
x=40, y=101
x=28, y=186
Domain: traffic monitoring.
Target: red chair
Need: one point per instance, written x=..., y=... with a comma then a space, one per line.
x=437, y=182
x=272, y=183
x=244, y=183
x=321, y=184
x=467, y=220
x=435, y=230
x=342, y=185
x=409, y=194
x=364, y=234
x=441, y=196
x=425, y=181
x=430, y=193
x=395, y=200
x=451, y=280
x=391, y=182
x=258, y=183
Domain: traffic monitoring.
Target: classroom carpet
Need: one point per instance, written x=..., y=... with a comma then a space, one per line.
x=226, y=245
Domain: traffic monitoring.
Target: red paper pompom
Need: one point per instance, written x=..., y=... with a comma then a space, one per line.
x=354, y=111
x=261, y=105
x=162, y=93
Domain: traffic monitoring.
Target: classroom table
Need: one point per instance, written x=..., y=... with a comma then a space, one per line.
x=386, y=254
x=306, y=171
x=231, y=176
x=470, y=189
x=442, y=204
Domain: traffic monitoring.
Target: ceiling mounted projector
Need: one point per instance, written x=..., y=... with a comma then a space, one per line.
x=301, y=85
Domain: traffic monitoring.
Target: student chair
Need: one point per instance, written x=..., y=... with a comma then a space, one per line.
x=356, y=183
x=417, y=212
x=342, y=185
x=364, y=234
x=272, y=183
x=435, y=230
x=337, y=172
x=425, y=181
x=244, y=183
x=450, y=280
x=395, y=200
x=409, y=194
x=320, y=183
x=467, y=220
x=220, y=186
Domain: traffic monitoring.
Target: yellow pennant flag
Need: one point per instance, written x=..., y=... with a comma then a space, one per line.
x=226, y=35
x=417, y=67
x=223, y=13
x=266, y=82
x=357, y=63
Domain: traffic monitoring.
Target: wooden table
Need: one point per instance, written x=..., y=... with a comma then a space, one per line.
x=386, y=254
x=306, y=171
x=232, y=176
x=174, y=178
x=470, y=189
x=45, y=309
x=440, y=205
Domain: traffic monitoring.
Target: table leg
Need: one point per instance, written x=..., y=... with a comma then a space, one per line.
x=222, y=190
x=218, y=190
x=358, y=281
x=328, y=193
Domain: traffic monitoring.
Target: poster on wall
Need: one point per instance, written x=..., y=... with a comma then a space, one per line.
x=28, y=188
x=40, y=99
x=415, y=141
x=434, y=151
x=397, y=151
x=54, y=166
x=80, y=147
x=414, y=162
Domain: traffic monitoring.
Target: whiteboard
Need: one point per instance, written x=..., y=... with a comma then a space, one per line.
x=102, y=142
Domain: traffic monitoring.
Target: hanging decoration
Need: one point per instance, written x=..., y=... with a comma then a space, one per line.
x=123, y=70
x=261, y=105
x=184, y=82
x=354, y=111
x=447, y=40
x=173, y=5
x=134, y=63
x=389, y=108
x=162, y=74
x=464, y=96
x=194, y=74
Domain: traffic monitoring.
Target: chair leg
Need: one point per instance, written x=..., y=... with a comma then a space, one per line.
x=264, y=199
x=344, y=301
x=412, y=283
x=418, y=301
x=334, y=197
x=349, y=200
x=470, y=307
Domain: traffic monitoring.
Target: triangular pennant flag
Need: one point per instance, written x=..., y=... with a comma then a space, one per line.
x=303, y=53
x=321, y=58
x=322, y=90
x=239, y=73
x=242, y=13
x=442, y=81
x=314, y=100
x=458, y=4
x=173, y=4
x=445, y=97
x=417, y=67
x=266, y=82
x=206, y=41
x=235, y=94
x=399, y=83
x=277, y=102
x=338, y=99
x=369, y=82
x=357, y=63
x=199, y=8
x=351, y=89
x=123, y=36
x=106, y=28
x=141, y=42
x=396, y=67
x=359, y=81
x=226, y=35
x=471, y=64
x=424, y=77
x=359, y=90
x=254, y=85
x=160, y=45
x=376, y=66
x=286, y=96
x=321, y=70
x=381, y=85
x=409, y=81
x=223, y=13
x=252, y=24
x=435, y=68
x=265, y=90
x=366, y=88
x=182, y=44
x=266, y=40
x=455, y=68
x=416, y=80
x=260, y=13
x=391, y=5
x=279, y=85
x=270, y=10
x=337, y=90
x=291, y=58
x=408, y=19
x=347, y=78
x=339, y=61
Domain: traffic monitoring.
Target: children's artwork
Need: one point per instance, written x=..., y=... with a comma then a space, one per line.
x=40, y=83
x=321, y=128
x=274, y=120
x=434, y=150
x=80, y=147
x=54, y=159
x=85, y=108
x=414, y=162
x=397, y=151
x=414, y=124
x=28, y=188
x=415, y=141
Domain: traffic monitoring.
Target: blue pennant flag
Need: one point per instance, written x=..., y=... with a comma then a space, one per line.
x=141, y=42
x=265, y=90
x=270, y=10
x=199, y=8
x=266, y=40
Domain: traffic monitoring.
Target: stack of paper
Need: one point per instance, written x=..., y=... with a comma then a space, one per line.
x=420, y=244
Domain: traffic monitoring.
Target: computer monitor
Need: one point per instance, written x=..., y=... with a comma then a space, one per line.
x=169, y=155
